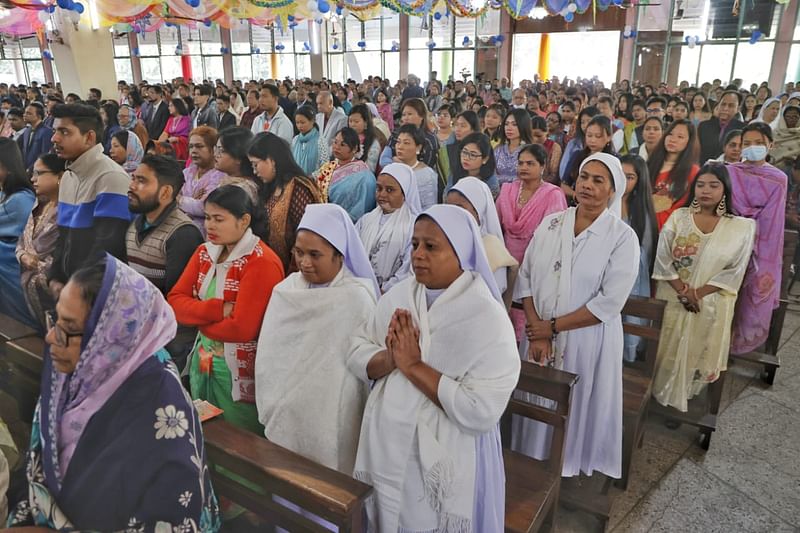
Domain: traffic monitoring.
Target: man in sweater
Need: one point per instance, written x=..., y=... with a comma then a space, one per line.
x=273, y=119
x=162, y=238
x=93, y=211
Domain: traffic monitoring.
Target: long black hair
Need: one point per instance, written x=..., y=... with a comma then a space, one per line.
x=369, y=131
x=523, y=120
x=308, y=112
x=235, y=142
x=267, y=145
x=485, y=146
x=720, y=171
x=679, y=175
x=574, y=166
x=591, y=112
x=641, y=212
x=237, y=202
x=16, y=176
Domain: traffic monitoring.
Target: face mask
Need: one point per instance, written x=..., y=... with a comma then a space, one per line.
x=754, y=153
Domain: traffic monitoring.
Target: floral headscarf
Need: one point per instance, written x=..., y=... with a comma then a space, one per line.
x=135, y=153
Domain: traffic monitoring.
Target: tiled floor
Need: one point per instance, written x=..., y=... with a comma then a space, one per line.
x=749, y=481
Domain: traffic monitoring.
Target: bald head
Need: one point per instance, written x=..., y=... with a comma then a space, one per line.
x=325, y=102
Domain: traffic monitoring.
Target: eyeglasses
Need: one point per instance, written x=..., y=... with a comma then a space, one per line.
x=219, y=150
x=37, y=173
x=61, y=336
x=471, y=155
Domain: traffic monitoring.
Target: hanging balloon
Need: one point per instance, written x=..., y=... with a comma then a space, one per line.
x=63, y=4
x=207, y=23
x=339, y=10
x=47, y=55
x=256, y=51
x=51, y=9
x=290, y=18
x=323, y=6
x=755, y=36
x=617, y=2
x=335, y=46
x=361, y=44
x=569, y=17
x=306, y=47
x=437, y=16
x=135, y=52
x=79, y=8
x=572, y=8
x=431, y=44
x=556, y=6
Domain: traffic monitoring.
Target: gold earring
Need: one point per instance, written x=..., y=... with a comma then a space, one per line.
x=722, y=208
x=695, y=207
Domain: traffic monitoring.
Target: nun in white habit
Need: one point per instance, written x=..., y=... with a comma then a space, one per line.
x=430, y=445
x=577, y=273
x=475, y=196
x=386, y=230
x=307, y=399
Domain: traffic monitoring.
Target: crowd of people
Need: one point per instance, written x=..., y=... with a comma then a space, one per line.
x=355, y=270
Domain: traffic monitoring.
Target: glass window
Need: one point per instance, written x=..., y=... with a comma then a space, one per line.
x=465, y=27
x=197, y=67
x=214, y=69
x=442, y=64
x=12, y=50
x=303, y=65
x=418, y=37
x=369, y=64
x=793, y=69
x=525, y=56
x=9, y=73
x=151, y=69
x=171, y=67
x=353, y=31
x=751, y=66
x=442, y=33
x=242, y=67
x=690, y=61
x=301, y=38
x=716, y=62
x=121, y=46
x=333, y=36
x=391, y=65
x=148, y=45
x=463, y=62
x=490, y=23
x=418, y=63
x=372, y=34
x=240, y=38
x=599, y=57
x=336, y=66
x=262, y=67
x=30, y=49
x=261, y=38
x=123, y=69
x=391, y=27
x=210, y=39
x=35, y=71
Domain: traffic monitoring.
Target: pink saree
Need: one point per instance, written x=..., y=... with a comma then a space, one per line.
x=759, y=193
x=519, y=223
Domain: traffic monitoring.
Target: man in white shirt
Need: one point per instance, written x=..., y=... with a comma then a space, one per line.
x=329, y=119
x=273, y=119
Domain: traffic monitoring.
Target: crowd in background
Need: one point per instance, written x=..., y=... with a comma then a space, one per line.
x=297, y=241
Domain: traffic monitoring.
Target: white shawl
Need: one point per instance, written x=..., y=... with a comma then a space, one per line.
x=465, y=335
x=388, y=245
x=307, y=400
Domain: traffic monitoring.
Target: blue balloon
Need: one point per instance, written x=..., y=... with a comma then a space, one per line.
x=437, y=16
x=79, y=8
x=339, y=10
x=51, y=9
x=290, y=18
x=323, y=6
x=207, y=23
x=569, y=17
x=64, y=4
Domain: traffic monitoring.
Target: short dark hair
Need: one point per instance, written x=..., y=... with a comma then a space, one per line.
x=97, y=92
x=761, y=127
x=204, y=90
x=16, y=111
x=85, y=117
x=224, y=98
x=167, y=170
x=156, y=89
x=53, y=162
x=414, y=132
x=659, y=99
x=38, y=107
x=273, y=89
x=180, y=106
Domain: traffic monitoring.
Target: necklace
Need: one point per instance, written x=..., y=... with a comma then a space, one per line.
x=415, y=165
x=520, y=201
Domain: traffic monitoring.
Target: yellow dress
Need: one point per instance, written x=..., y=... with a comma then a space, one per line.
x=693, y=348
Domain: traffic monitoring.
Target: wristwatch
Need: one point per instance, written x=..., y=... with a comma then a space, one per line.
x=553, y=326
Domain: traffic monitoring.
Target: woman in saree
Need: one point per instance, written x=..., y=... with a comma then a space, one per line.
x=702, y=257
x=16, y=202
x=672, y=167
x=201, y=177
x=638, y=212
x=308, y=401
x=347, y=180
x=759, y=193
x=577, y=274
x=116, y=442
x=38, y=240
x=386, y=230
x=430, y=426
x=284, y=189
x=126, y=150
x=176, y=132
x=521, y=207
x=474, y=196
x=224, y=292
x=309, y=149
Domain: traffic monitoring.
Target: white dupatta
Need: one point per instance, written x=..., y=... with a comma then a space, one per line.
x=307, y=400
x=479, y=372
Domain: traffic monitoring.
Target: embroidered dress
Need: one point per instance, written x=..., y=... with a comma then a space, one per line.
x=663, y=200
x=693, y=348
x=196, y=189
x=38, y=240
x=117, y=445
x=506, y=163
x=351, y=185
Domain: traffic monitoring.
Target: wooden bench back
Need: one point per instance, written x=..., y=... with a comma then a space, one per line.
x=551, y=384
x=262, y=469
x=651, y=310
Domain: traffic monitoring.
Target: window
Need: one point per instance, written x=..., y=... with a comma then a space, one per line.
x=122, y=57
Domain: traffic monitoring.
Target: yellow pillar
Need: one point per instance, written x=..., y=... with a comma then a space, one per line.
x=544, y=57
x=273, y=66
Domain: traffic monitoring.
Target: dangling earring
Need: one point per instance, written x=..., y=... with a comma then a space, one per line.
x=722, y=209
x=695, y=207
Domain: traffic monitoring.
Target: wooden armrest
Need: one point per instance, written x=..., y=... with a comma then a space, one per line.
x=27, y=353
x=283, y=472
x=545, y=373
x=11, y=329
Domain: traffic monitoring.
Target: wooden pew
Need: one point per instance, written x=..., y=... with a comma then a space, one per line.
x=265, y=469
x=532, y=487
x=768, y=354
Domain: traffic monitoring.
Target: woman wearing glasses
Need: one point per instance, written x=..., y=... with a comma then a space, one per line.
x=476, y=160
x=38, y=240
x=200, y=178
x=116, y=442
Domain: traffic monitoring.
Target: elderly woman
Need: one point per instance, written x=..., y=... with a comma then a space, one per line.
x=386, y=230
x=126, y=150
x=430, y=427
x=347, y=179
x=308, y=401
x=702, y=257
x=126, y=116
x=38, y=241
x=116, y=441
x=577, y=274
x=200, y=177
x=474, y=195
x=224, y=292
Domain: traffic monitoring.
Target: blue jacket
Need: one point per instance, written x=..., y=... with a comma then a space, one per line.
x=32, y=148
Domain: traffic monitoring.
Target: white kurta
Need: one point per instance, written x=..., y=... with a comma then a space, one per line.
x=604, y=267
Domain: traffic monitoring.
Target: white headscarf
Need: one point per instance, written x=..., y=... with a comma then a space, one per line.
x=760, y=117
x=464, y=235
x=408, y=182
x=615, y=167
x=480, y=196
x=333, y=224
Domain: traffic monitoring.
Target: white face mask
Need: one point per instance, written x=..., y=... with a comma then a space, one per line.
x=754, y=153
